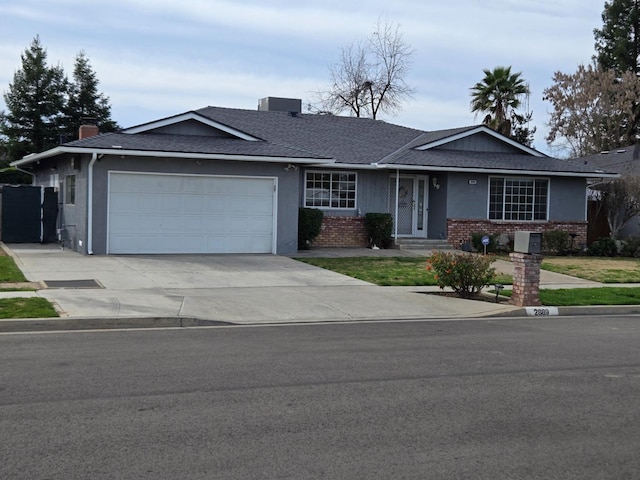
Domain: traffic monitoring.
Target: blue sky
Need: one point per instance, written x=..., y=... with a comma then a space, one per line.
x=156, y=58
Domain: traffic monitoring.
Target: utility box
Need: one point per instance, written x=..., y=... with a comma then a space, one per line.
x=527, y=242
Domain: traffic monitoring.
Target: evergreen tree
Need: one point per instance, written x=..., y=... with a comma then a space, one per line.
x=85, y=101
x=35, y=105
x=618, y=42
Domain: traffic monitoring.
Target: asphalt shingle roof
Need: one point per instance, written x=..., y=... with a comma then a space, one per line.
x=624, y=160
x=346, y=140
x=189, y=144
x=489, y=161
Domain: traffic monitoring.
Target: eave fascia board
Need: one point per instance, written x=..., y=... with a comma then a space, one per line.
x=145, y=127
x=501, y=171
x=148, y=153
x=348, y=166
x=478, y=129
x=34, y=157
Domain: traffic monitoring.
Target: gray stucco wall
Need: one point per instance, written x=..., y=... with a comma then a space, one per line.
x=373, y=196
x=437, y=219
x=372, y=192
x=288, y=190
x=72, y=219
x=567, y=197
x=466, y=199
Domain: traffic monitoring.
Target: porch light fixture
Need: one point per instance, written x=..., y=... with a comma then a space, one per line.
x=291, y=166
x=434, y=181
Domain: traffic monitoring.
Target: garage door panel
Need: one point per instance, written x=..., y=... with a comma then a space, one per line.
x=190, y=214
x=261, y=226
x=195, y=204
x=193, y=224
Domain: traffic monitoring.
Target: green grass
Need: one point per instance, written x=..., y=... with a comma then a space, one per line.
x=33, y=307
x=385, y=271
x=598, y=269
x=571, y=297
x=9, y=272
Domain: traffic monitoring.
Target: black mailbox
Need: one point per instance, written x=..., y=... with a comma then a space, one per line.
x=527, y=242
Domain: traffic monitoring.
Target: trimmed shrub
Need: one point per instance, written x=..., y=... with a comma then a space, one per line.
x=379, y=228
x=309, y=225
x=555, y=242
x=603, y=247
x=465, y=273
x=631, y=247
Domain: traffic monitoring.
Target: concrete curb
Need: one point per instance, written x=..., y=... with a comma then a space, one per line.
x=604, y=310
x=96, y=323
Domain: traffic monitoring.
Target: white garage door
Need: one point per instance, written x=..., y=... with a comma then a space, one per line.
x=151, y=213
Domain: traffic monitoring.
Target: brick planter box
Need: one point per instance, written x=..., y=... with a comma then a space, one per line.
x=342, y=232
x=460, y=230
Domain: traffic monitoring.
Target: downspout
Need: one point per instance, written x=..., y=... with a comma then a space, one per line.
x=94, y=158
x=395, y=226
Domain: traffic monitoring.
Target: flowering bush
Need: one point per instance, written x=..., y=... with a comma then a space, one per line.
x=465, y=273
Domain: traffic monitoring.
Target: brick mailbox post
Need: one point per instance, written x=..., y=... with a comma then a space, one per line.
x=526, y=261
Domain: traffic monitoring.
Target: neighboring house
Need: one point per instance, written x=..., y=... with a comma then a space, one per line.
x=624, y=161
x=221, y=180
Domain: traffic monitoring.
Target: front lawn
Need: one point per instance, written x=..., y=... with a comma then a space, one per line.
x=9, y=272
x=33, y=307
x=598, y=269
x=572, y=297
x=385, y=271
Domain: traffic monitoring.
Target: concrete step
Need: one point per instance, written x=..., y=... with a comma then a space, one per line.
x=422, y=244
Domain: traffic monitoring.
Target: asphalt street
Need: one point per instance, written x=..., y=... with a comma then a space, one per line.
x=492, y=399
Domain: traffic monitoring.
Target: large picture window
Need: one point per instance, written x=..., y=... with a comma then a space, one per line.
x=523, y=199
x=330, y=189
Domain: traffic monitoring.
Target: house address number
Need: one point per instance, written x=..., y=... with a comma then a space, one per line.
x=541, y=311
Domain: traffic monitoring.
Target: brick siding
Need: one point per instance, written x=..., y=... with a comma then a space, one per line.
x=460, y=230
x=342, y=232
x=526, y=279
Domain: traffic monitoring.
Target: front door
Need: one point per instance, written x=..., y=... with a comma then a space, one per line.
x=410, y=195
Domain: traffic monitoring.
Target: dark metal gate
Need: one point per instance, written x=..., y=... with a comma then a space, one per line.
x=29, y=214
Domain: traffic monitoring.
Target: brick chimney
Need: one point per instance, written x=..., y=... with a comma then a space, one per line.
x=88, y=128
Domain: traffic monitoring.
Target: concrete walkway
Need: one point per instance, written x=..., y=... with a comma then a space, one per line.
x=238, y=289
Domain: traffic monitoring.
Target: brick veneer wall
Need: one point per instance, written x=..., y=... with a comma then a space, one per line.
x=342, y=232
x=460, y=230
x=526, y=279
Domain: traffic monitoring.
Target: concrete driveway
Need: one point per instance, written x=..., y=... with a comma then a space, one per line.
x=244, y=289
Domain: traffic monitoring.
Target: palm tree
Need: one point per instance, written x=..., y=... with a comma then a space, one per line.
x=498, y=95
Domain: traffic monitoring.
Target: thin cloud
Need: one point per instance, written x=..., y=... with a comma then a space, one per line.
x=164, y=57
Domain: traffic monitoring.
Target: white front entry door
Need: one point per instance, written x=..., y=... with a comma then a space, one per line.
x=410, y=194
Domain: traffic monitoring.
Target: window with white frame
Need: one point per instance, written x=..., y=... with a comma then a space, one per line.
x=330, y=189
x=520, y=199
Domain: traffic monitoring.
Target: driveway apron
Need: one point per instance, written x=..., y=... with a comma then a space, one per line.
x=242, y=289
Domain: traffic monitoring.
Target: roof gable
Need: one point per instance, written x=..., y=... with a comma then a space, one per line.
x=190, y=123
x=476, y=139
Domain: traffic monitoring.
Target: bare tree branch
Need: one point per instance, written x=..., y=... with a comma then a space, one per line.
x=369, y=78
x=593, y=110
